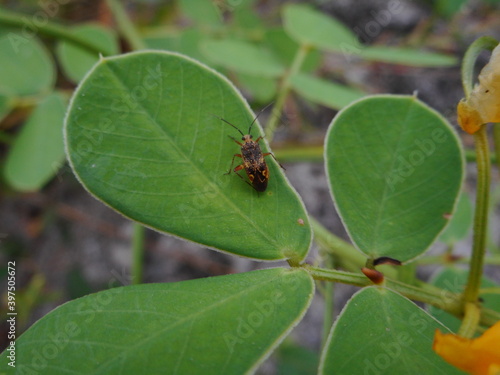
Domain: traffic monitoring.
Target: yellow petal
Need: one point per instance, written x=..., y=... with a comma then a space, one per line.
x=469, y=118
x=483, y=104
x=480, y=356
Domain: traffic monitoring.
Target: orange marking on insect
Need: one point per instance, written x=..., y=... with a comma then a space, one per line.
x=253, y=159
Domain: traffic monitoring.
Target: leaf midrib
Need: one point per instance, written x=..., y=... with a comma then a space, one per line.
x=214, y=187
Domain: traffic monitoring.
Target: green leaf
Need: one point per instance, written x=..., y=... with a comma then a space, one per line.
x=186, y=42
x=148, y=145
x=406, y=56
x=285, y=48
x=311, y=27
x=220, y=325
x=447, y=8
x=75, y=61
x=381, y=332
x=395, y=168
x=242, y=57
x=26, y=66
x=296, y=360
x=460, y=223
x=38, y=151
x=205, y=14
x=244, y=17
x=323, y=92
x=454, y=280
x=263, y=89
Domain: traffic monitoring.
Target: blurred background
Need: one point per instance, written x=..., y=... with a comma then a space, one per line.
x=66, y=244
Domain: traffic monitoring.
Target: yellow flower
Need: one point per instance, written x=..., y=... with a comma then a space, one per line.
x=483, y=104
x=480, y=356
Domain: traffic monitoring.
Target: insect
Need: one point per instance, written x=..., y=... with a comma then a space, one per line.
x=253, y=158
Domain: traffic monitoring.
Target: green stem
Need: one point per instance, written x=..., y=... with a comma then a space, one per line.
x=481, y=216
x=126, y=27
x=472, y=315
x=470, y=156
x=445, y=300
x=440, y=298
x=471, y=293
x=137, y=253
x=298, y=60
x=469, y=60
x=29, y=29
x=328, y=301
x=438, y=259
x=491, y=290
x=128, y=31
x=348, y=256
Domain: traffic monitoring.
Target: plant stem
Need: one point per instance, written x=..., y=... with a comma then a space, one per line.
x=440, y=298
x=471, y=292
x=445, y=300
x=438, y=259
x=328, y=301
x=126, y=27
x=348, y=256
x=472, y=314
x=470, y=156
x=469, y=60
x=130, y=34
x=28, y=31
x=298, y=60
x=137, y=253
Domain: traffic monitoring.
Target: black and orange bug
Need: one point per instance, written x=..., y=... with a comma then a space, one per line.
x=253, y=158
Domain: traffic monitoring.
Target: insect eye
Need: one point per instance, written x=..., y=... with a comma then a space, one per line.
x=250, y=136
x=242, y=138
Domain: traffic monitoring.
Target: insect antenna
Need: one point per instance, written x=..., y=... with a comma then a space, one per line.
x=227, y=122
x=258, y=114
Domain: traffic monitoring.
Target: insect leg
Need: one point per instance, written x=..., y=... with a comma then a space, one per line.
x=274, y=157
x=232, y=163
x=234, y=139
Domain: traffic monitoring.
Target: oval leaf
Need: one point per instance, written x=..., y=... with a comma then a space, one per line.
x=242, y=57
x=395, y=168
x=148, y=144
x=220, y=325
x=76, y=62
x=26, y=66
x=327, y=93
x=406, y=56
x=308, y=26
x=381, y=332
x=38, y=151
